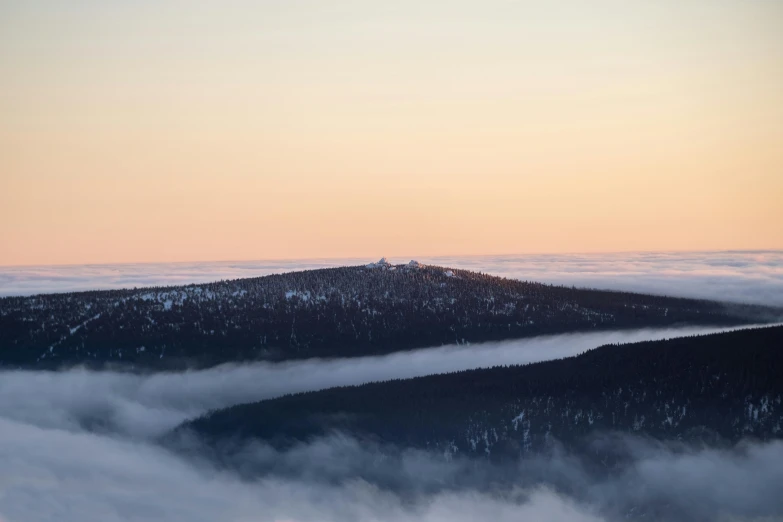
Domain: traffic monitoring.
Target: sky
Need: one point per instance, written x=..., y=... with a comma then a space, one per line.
x=197, y=130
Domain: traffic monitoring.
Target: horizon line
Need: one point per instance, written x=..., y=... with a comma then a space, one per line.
x=439, y=256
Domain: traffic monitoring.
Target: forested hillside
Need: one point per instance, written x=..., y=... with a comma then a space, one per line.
x=338, y=312
x=713, y=388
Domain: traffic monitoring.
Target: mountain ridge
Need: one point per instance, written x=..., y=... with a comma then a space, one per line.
x=333, y=312
x=709, y=388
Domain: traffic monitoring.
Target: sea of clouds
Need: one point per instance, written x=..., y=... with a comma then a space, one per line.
x=66, y=476
x=86, y=445
x=81, y=445
x=748, y=276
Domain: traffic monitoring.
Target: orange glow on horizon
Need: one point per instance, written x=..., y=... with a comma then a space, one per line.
x=134, y=132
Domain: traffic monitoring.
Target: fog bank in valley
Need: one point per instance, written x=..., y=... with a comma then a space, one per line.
x=148, y=405
x=83, y=445
x=52, y=474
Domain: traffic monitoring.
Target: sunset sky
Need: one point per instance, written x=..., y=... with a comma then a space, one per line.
x=191, y=130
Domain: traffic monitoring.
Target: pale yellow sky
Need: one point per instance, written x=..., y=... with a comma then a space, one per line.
x=200, y=130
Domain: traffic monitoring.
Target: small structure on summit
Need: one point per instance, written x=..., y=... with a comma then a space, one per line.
x=380, y=264
x=384, y=264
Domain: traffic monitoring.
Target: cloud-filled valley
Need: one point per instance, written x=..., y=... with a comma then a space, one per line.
x=148, y=405
x=409, y=261
x=84, y=445
x=80, y=444
x=51, y=474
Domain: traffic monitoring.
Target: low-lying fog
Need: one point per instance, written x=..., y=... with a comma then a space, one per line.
x=752, y=276
x=79, y=445
x=150, y=405
x=64, y=476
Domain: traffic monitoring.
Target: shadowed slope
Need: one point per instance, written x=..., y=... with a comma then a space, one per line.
x=337, y=312
x=709, y=388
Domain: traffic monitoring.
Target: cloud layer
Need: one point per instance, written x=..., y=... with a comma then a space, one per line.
x=755, y=277
x=751, y=277
x=50, y=474
x=82, y=445
x=150, y=405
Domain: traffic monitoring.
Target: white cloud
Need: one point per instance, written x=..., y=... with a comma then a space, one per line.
x=82, y=445
x=149, y=405
x=48, y=474
x=754, y=277
x=51, y=475
x=736, y=276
